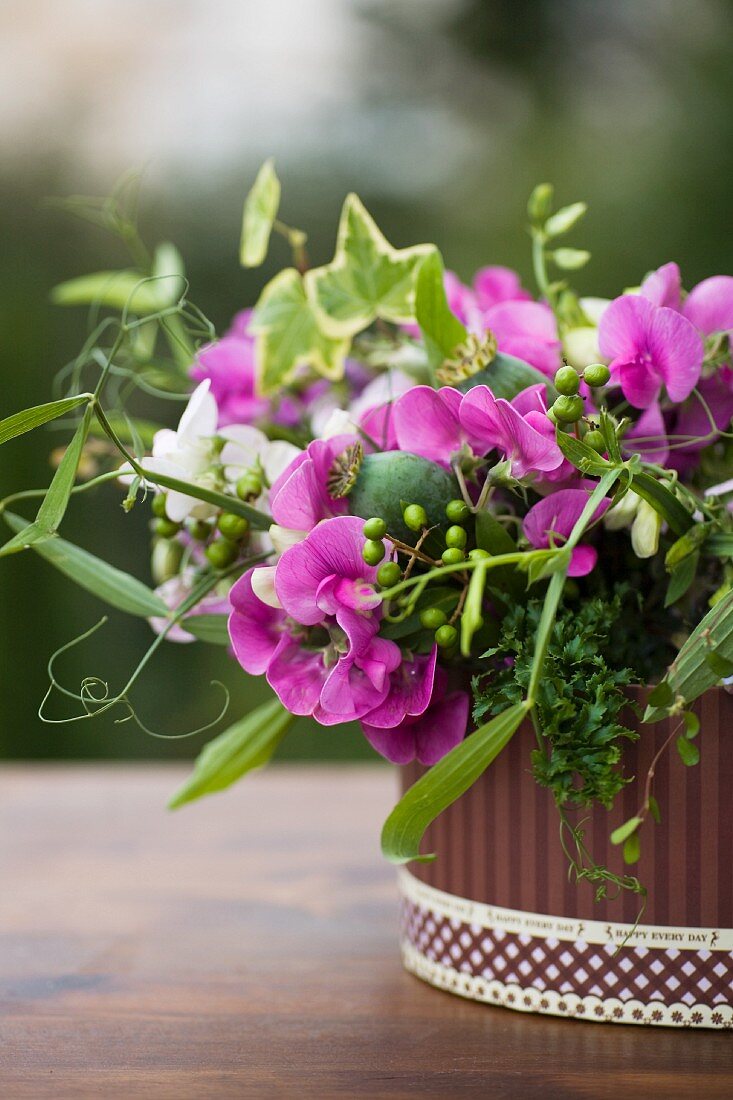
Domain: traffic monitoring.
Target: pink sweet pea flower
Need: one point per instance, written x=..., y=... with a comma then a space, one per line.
x=358, y=682
x=426, y=736
x=526, y=438
x=527, y=330
x=325, y=575
x=708, y=306
x=299, y=498
x=229, y=364
x=427, y=422
x=255, y=628
x=648, y=436
x=550, y=521
x=410, y=692
x=650, y=347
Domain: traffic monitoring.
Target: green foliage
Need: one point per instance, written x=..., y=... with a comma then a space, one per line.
x=290, y=336
x=367, y=278
x=28, y=419
x=260, y=211
x=580, y=697
x=441, y=329
x=444, y=783
x=246, y=745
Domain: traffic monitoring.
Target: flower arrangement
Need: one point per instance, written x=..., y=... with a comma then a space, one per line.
x=433, y=508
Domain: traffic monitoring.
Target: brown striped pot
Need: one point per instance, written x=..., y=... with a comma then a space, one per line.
x=496, y=918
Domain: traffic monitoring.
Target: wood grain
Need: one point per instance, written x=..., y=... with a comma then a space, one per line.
x=246, y=947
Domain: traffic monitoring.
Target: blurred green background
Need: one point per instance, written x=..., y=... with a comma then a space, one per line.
x=442, y=114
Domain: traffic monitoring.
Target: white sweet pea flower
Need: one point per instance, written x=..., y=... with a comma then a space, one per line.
x=246, y=447
x=645, y=530
x=340, y=422
x=263, y=585
x=188, y=454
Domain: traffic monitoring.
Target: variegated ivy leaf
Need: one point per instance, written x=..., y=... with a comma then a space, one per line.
x=367, y=277
x=289, y=336
x=260, y=211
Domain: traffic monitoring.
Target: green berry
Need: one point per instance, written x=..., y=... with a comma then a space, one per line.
x=373, y=552
x=595, y=439
x=446, y=636
x=432, y=618
x=452, y=556
x=249, y=485
x=232, y=526
x=456, y=536
x=166, y=528
x=200, y=530
x=567, y=381
x=158, y=505
x=415, y=517
x=568, y=409
x=457, y=511
x=375, y=528
x=597, y=374
x=389, y=574
x=551, y=415
x=221, y=553
x=478, y=553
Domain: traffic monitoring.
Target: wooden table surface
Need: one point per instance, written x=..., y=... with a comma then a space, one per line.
x=247, y=946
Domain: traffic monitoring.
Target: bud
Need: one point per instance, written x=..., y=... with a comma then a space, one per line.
x=645, y=530
x=570, y=259
x=565, y=219
x=622, y=514
x=166, y=560
x=540, y=202
x=580, y=347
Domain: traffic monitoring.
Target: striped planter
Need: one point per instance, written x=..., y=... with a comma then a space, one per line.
x=495, y=917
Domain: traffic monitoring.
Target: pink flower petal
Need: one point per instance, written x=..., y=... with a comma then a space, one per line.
x=582, y=561
x=296, y=675
x=528, y=331
x=426, y=422
x=663, y=286
x=255, y=628
x=557, y=514
x=709, y=305
x=410, y=691
x=677, y=348
x=441, y=728
x=496, y=423
x=498, y=284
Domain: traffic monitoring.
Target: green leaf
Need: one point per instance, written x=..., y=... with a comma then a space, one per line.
x=289, y=336
x=663, y=501
x=654, y=809
x=117, y=290
x=493, y=537
x=692, y=724
x=260, y=211
x=583, y=457
x=261, y=521
x=722, y=667
x=116, y=588
x=661, y=696
x=720, y=546
x=208, y=628
x=686, y=545
x=53, y=505
x=689, y=753
x=444, y=783
x=246, y=745
x=692, y=673
x=632, y=848
x=565, y=219
x=618, y=836
x=682, y=577
x=367, y=277
x=27, y=419
x=441, y=329
x=508, y=376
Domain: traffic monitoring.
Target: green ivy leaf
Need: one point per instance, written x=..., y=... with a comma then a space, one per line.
x=289, y=336
x=246, y=745
x=260, y=211
x=27, y=419
x=367, y=277
x=208, y=628
x=103, y=580
x=444, y=783
x=441, y=329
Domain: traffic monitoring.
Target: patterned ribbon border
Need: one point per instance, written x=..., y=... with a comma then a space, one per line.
x=430, y=914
